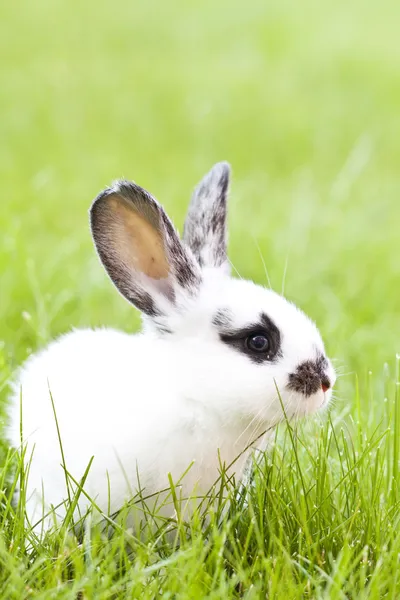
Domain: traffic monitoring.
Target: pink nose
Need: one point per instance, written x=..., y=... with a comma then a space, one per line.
x=325, y=385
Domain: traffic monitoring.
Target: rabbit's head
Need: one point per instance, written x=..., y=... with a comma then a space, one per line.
x=242, y=348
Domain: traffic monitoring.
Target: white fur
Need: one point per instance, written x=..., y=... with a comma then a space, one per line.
x=156, y=403
x=153, y=402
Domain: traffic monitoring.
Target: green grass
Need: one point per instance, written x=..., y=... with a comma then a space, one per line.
x=303, y=100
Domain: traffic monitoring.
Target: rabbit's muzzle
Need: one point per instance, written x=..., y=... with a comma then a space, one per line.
x=310, y=377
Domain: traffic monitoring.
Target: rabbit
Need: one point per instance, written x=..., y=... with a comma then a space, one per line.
x=219, y=361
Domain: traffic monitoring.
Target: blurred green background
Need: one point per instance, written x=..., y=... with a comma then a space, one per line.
x=303, y=99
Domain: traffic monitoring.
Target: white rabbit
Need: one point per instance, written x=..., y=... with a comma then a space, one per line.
x=199, y=383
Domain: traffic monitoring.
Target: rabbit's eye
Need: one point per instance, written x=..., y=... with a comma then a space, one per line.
x=258, y=343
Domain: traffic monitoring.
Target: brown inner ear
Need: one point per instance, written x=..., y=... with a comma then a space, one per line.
x=138, y=242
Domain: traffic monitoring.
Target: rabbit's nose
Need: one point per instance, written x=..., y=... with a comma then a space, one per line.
x=325, y=384
x=309, y=377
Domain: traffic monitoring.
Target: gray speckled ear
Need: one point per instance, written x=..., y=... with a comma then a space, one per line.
x=140, y=248
x=205, y=226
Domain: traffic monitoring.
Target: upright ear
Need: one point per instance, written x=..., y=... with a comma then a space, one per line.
x=140, y=249
x=205, y=226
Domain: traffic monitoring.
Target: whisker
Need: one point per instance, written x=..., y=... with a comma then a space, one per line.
x=235, y=269
x=263, y=262
x=285, y=270
x=253, y=435
x=256, y=416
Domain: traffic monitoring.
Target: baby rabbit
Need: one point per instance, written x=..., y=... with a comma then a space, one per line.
x=199, y=383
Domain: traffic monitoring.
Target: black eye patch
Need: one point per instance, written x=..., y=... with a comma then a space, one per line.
x=242, y=340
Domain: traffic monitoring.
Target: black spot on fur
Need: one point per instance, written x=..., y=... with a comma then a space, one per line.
x=162, y=327
x=237, y=339
x=309, y=376
x=222, y=318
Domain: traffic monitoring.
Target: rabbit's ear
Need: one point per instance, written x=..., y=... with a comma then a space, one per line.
x=205, y=226
x=140, y=249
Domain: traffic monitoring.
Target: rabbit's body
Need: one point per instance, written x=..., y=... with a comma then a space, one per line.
x=199, y=384
x=167, y=431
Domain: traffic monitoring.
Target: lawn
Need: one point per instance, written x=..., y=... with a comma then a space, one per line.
x=303, y=100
